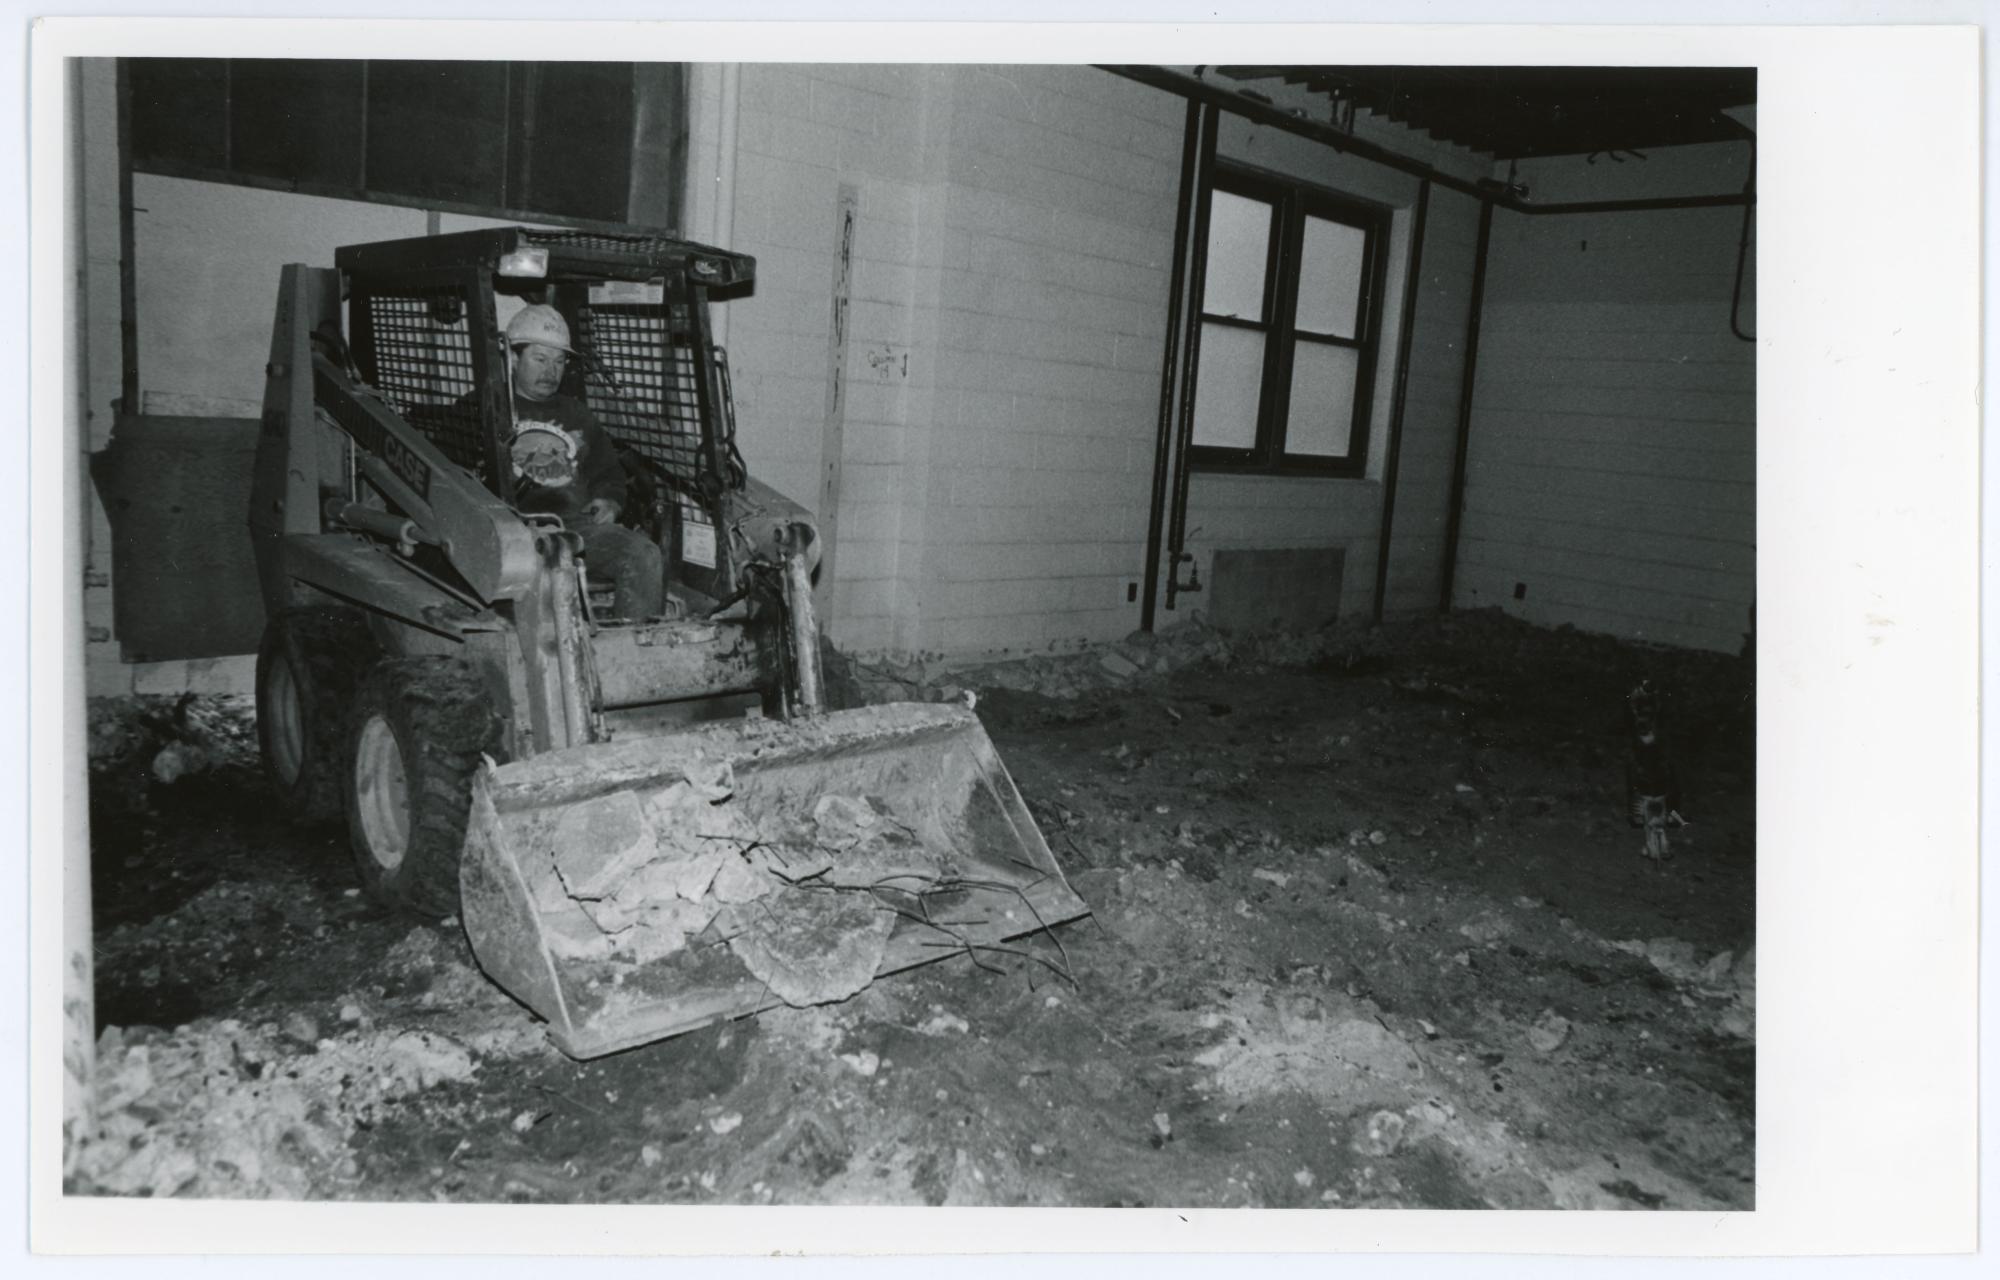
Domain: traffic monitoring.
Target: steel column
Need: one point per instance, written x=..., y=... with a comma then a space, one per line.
x=1455, y=507
x=1169, y=362
x=1412, y=282
x=128, y=285
x=1191, y=361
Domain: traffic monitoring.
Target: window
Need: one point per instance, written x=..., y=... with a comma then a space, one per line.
x=570, y=141
x=1290, y=310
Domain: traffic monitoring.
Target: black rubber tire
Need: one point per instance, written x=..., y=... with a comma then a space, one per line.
x=426, y=720
x=308, y=665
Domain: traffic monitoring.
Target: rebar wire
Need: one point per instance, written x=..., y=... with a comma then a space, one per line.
x=1743, y=249
x=970, y=947
x=937, y=886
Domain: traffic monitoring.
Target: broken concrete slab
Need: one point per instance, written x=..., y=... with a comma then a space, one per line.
x=810, y=946
x=600, y=841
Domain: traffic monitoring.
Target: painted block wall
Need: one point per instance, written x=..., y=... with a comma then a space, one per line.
x=1058, y=235
x=1237, y=512
x=1611, y=467
x=1010, y=271
x=804, y=133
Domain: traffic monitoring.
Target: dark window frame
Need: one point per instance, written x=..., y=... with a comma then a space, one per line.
x=1292, y=201
x=210, y=154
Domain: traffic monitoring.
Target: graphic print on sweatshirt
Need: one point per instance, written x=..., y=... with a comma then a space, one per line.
x=545, y=454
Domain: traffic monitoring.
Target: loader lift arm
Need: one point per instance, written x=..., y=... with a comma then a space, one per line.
x=479, y=535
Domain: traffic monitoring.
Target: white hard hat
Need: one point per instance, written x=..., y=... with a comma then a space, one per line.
x=539, y=324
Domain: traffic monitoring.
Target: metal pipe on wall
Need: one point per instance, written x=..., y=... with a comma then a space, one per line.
x=1169, y=362
x=722, y=231
x=1455, y=506
x=1412, y=282
x=128, y=286
x=1743, y=251
x=1191, y=360
x=1650, y=204
x=78, y=298
x=78, y=978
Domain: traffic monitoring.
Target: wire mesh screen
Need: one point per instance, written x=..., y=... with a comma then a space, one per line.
x=606, y=241
x=422, y=347
x=653, y=405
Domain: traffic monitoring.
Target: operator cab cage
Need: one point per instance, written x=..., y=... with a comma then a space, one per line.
x=424, y=333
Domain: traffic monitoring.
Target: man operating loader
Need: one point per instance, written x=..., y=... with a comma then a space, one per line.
x=565, y=465
x=573, y=788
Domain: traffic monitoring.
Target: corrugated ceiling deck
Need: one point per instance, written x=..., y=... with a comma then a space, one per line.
x=1519, y=112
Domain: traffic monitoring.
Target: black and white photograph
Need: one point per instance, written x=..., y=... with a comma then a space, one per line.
x=1116, y=635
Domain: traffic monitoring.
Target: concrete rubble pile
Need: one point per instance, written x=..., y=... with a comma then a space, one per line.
x=1726, y=981
x=633, y=881
x=224, y=1109
x=1140, y=655
x=171, y=738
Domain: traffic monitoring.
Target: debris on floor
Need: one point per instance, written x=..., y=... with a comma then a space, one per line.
x=227, y=1110
x=1369, y=932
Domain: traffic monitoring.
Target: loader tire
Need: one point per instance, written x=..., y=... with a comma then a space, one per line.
x=420, y=726
x=308, y=665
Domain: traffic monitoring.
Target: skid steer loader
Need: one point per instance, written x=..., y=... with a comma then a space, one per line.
x=440, y=669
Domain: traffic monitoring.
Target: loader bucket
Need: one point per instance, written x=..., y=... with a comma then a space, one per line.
x=632, y=890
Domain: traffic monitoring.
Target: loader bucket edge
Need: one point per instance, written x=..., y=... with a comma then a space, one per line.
x=987, y=874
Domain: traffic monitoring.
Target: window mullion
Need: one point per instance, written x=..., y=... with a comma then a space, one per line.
x=1371, y=281
x=1374, y=289
x=1278, y=371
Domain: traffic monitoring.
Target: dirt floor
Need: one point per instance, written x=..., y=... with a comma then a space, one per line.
x=1370, y=930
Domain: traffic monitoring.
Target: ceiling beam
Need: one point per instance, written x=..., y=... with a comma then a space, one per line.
x=1260, y=112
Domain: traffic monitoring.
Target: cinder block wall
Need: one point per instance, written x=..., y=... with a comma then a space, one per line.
x=807, y=136
x=1007, y=312
x=1058, y=236
x=1612, y=461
